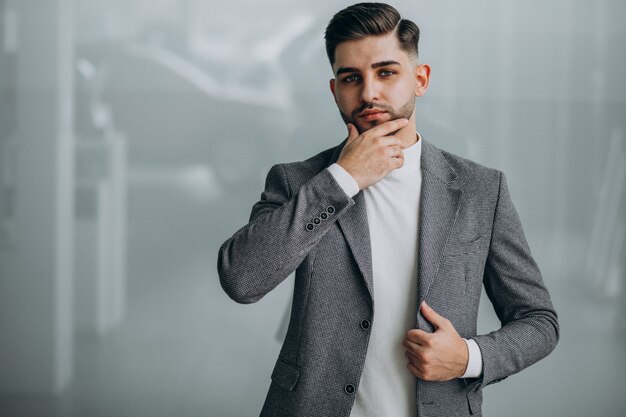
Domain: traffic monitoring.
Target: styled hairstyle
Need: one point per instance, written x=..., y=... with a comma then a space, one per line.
x=370, y=19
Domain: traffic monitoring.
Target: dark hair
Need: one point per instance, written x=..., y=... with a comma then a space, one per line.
x=370, y=19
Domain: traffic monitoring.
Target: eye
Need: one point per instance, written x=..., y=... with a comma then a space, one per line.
x=386, y=73
x=350, y=78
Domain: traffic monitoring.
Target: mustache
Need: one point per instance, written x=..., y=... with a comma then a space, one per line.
x=370, y=106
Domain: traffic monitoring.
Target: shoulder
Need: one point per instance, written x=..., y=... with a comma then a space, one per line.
x=469, y=174
x=298, y=172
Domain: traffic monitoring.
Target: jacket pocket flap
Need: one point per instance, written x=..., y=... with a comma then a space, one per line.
x=462, y=248
x=286, y=375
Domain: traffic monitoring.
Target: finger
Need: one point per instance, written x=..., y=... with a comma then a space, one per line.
x=418, y=358
x=385, y=128
x=431, y=315
x=396, y=151
x=412, y=358
x=413, y=369
x=413, y=347
x=389, y=141
x=392, y=151
x=353, y=132
x=417, y=336
x=397, y=162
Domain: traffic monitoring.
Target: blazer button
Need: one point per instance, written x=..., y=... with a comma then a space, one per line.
x=317, y=220
x=310, y=227
x=324, y=215
x=349, y=389
x=330, y=209
x=366, y=324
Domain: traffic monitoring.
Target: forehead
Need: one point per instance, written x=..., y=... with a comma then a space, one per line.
x=371, y=49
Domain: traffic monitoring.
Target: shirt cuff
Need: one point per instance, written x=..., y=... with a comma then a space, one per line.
x=475, y=361
x=344, y=179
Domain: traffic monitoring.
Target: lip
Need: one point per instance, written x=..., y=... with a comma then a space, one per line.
x=372, y=114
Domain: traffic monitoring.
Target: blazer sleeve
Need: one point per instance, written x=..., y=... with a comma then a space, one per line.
x=284, y=226
x=514, y=285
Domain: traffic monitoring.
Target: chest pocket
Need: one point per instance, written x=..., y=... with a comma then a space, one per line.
x=464, y=248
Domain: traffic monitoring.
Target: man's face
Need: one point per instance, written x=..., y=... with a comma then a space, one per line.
x=376, y=81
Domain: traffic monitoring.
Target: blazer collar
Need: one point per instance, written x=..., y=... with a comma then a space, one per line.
x=436, y=164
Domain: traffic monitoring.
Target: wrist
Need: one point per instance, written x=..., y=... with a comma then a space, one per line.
x=464, y=357
x=350, y=171
x=346, y=181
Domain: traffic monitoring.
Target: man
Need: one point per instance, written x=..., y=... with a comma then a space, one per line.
x=392, y=240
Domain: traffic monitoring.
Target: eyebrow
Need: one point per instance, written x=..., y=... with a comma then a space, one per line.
x=375, y=65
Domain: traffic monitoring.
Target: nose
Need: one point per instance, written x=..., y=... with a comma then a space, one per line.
x=369, y=90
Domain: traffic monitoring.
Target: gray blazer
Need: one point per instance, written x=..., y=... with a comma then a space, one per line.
x=470, y=236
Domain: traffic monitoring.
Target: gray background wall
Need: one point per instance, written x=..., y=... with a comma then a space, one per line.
x=135, y=137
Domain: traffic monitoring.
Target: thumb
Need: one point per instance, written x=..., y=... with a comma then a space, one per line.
x=353, y=132
x=431, y=315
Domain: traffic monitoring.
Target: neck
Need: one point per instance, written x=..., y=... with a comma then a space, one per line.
x=408, y=134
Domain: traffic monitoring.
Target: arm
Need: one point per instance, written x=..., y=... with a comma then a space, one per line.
x=285, y=226
x=264, y=252
x=520, y=299
x=514, y=285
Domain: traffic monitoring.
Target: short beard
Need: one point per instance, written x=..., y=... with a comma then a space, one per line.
x=405, y=112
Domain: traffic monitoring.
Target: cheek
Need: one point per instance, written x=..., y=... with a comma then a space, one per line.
x=344, y=102
x=400, y=94
x=404, y=88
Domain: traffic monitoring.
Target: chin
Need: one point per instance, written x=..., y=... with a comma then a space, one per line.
x=367, y=126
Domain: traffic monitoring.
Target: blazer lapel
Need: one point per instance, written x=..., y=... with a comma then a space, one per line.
x=439, y=203
x=355, y=228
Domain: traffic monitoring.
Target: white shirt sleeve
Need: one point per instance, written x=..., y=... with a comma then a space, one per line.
x=475, y=361
x=344, y=179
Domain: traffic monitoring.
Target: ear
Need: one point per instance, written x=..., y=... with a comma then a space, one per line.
x=332, y=88
x=422, y=77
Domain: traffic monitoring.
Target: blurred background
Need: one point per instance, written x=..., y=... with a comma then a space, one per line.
x=135, y=136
